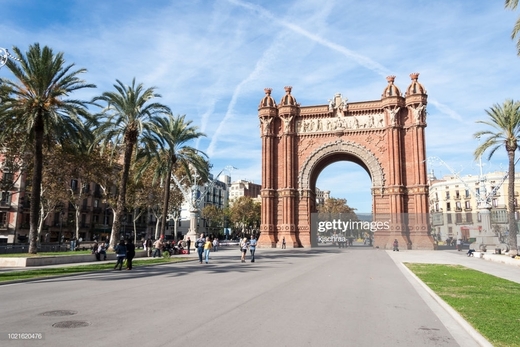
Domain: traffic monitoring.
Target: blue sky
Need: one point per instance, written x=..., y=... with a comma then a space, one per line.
x=211, y=60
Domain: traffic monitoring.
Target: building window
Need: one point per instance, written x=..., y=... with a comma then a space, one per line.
x=495, y=202
x=74, y=185
x=5, y=198
x=447, y=195
x=458, y=218
x=448, y=206
x=469, y=218
x=449, y=219
x=468, y=205
x=467, y=193
x=7, y=178
x=3, y=219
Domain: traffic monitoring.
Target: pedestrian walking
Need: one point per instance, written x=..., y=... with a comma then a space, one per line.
x=252, y=248
x=283, y=243
x=396, y=245
x=199, y=245
x=148, y=245
x=459, y=245
x=207, y=248
x=188, y=244
x=158, y=245
x=243, y=249
x=130, y=254
x=121, y=254
x=73, y=243
x=215, y=244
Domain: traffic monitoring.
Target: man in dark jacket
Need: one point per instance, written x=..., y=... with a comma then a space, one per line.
x=130, y=254
x=120, y=253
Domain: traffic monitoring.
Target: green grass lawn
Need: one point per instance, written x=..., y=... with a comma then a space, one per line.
x=75, y=269
x=490, y=304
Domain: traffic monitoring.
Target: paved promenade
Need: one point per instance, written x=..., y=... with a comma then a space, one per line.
x=326, y=296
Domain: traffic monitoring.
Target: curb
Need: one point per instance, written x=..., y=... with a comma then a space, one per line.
x=481, y=340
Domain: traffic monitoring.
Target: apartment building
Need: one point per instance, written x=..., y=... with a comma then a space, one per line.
x=244, y=188
x=456, y=202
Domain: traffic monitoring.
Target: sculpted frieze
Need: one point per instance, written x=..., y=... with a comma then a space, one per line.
x=361, y=122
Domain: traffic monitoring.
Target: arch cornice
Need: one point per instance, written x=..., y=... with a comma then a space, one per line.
x=339, y=146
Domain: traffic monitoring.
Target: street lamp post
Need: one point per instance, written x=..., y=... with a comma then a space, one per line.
x=61, y=229
x=5, y=55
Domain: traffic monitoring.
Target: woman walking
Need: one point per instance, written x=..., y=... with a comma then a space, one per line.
x=121, y=254
x=207, y=248
x=243, y=248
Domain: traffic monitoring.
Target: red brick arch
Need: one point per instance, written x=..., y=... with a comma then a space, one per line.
x=385, y=137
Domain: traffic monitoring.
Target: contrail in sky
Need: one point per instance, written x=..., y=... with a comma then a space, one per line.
x=360, y=59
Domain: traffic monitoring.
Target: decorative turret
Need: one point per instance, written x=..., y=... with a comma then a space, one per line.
x=267, y=100
x=415, y=87
x=391, y=89
x=416, y=98
x=288, y=99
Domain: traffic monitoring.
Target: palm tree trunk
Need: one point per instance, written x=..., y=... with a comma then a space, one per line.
x=36, y=184
x=121, y=198
x=513, y=226
x=166, y=201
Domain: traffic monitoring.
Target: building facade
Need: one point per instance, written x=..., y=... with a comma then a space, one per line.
x=244, y=188
x=456, y=202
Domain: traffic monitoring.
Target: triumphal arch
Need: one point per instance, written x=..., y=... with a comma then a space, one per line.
x=386, y=137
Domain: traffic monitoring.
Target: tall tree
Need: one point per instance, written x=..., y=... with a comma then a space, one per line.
x=334, y=205
x=127, y=113
x=173, y=134
x=39, y=103
x=505, y=123
x=245, y=213
x=513, y=4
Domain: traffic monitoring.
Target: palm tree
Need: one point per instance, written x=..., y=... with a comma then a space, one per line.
x=505, y=121
x=127, y=114
x=39, y=105
x=512, y=4
x=173, y=135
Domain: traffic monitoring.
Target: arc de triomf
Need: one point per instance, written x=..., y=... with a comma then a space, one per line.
x=386, y=137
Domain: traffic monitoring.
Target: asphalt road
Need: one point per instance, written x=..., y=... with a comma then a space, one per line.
x=319, y=297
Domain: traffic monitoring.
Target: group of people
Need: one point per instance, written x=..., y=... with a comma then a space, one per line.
x=159, y=246
x=124, y=251
x=204, y=245
x=250, y=244
x=100, y=249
